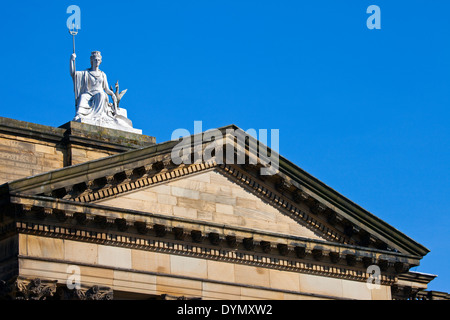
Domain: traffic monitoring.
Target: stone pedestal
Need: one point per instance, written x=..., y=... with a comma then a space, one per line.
x=87, y=142
x=121, y=122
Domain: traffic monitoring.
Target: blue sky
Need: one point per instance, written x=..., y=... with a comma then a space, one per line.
x=365, y=111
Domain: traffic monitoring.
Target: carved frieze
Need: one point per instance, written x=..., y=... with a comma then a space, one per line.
x=84, y=293
x=20, y=288
x=95, y=293
x=288, y=257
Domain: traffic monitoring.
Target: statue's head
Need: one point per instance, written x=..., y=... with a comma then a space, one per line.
x=96, y=58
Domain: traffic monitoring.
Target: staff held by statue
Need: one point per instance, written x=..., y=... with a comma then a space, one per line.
x=74, y=31
x=73, y=23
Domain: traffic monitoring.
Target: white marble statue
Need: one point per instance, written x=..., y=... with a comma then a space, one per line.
x=91, y=98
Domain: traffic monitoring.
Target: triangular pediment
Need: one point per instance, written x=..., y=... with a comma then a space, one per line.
x=213, y=196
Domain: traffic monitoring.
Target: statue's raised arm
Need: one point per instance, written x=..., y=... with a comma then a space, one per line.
x=72, y=64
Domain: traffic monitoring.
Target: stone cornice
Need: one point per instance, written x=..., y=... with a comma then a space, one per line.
x=202, y=249
x=60, y=178
x=353, y=212
x=77, y=133
x=31, y=130
x=417, y=277
x=241, y=177
x=70, y=208
x=431, y=295
x=93, y=223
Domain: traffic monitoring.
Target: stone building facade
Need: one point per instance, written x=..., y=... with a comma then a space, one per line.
x=94, y=213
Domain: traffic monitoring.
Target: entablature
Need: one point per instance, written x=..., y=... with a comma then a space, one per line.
x=65, y=219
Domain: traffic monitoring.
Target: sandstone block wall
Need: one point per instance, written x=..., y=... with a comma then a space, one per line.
x=156, y=273
x=210, y=196
x=22, y=157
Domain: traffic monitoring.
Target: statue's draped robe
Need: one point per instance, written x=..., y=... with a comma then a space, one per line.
x=91, y=99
